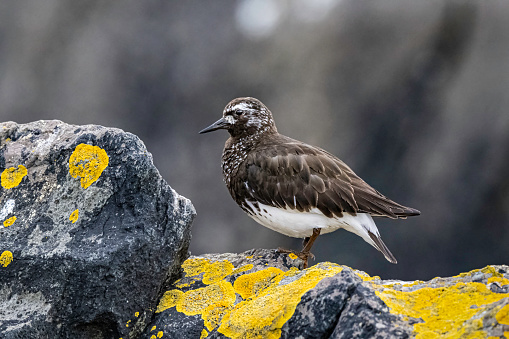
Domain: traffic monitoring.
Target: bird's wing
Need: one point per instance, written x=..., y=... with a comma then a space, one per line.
x=299, y=176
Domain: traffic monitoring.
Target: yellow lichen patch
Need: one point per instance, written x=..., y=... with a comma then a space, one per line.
x=11, y=177
x=217, y=271
x=264, y=315
x=506, y=334
x=137, y=314
x=194, y=267
x=499, y=280
x=293, y=256
x=196, y=301
x=5, y=258
x=243, y=269
x=446, y=311
x=153, y=336
x=249, y=257
x=9, y=222
x=213, y=314
x=168, y=300
x=128, y=322
x=250, y=284
x=88, y=162
x=74, y=216
x=160, y=334
x=153, y=328
x=204, y=334
x=503, y=315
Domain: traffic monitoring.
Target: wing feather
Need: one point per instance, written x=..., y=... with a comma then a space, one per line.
x=303, y=177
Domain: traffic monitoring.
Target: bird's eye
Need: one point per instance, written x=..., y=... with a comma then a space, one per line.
x=238, y=112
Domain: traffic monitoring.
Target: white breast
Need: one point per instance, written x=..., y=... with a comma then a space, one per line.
x=300, y=224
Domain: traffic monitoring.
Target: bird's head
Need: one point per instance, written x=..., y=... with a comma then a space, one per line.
x=244, y=117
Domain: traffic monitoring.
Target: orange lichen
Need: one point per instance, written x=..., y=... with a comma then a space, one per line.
x=9, y=222
x=5, y=258
x=11, y=177
x=74, y=216
x=88, y=162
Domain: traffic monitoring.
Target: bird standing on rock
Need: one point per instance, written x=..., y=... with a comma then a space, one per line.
x=294, y=188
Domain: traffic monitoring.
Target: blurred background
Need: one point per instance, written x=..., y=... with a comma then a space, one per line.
x=413, y=95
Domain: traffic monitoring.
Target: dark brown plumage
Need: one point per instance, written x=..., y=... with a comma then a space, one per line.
x=264, y=170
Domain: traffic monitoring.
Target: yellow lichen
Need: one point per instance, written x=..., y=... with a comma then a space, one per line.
x=194, y=267
x=217, y=271
x=88, y=162
x=243, y=269
x=153, y=336
x=503, y=315
x=204, y=334
x=446, y=311
x=213, y=314
x=293, y=256
x=264, y=315
x=9, y=222
x=499, y=280
x=168, y=300
x=11, y=177
x=128, y=322
x=5, y=258
x=196, y=301
x=153, y=328
x=250, y=284
x=160, y=334
x=506, y=334
x=74, y=216
x=137, y=314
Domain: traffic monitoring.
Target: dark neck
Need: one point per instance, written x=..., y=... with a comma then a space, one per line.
x=236, y=150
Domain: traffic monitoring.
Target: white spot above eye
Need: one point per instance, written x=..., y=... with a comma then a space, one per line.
x=240, y=106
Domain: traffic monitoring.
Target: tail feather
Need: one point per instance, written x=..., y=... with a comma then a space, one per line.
x=382, y=247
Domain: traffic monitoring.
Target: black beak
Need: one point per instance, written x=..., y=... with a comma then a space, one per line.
x=220, y=124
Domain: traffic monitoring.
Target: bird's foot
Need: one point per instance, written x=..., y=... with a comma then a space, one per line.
x=303, y=255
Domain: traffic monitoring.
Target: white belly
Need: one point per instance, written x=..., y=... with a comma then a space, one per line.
x=300, y=224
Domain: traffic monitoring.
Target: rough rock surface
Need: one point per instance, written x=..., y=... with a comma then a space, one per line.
x=91, y=236
x=263, y=294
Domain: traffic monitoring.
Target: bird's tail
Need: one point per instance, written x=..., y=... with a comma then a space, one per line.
x=380, y=245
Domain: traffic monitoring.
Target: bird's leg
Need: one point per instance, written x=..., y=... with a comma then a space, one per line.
x=308, y=243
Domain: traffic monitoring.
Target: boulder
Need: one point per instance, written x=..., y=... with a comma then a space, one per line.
x=264, y=294
x=92, y=235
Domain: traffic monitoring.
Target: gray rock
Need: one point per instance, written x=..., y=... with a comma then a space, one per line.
x=264, y=294
x=99, y=274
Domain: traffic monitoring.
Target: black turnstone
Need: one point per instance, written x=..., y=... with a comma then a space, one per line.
x=295, y=188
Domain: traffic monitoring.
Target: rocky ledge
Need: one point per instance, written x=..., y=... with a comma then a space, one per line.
x=264, y=294
x=94, y=245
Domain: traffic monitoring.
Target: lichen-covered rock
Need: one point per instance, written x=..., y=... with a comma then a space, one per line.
x=263, y=294
x=91, y=233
